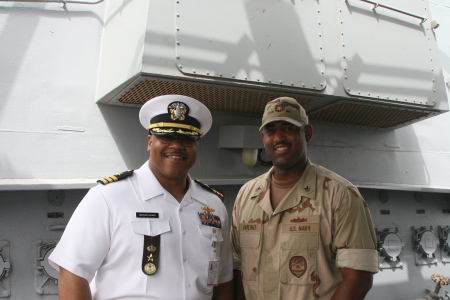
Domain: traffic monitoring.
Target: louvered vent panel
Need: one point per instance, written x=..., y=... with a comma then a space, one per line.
x=216, y=98
x=366, y=115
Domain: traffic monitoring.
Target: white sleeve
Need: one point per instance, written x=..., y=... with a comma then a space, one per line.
x=226, y=254
x=86, y=239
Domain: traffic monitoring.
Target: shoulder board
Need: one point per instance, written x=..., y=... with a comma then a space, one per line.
x=115, y=177
x=204, y=185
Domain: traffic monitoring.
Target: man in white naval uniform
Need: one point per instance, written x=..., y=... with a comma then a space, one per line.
x=153, y=233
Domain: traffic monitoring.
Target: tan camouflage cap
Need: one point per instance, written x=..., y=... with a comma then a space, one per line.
x=284, y=109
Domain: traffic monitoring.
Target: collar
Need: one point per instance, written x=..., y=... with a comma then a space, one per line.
x=305, y=187
x=151, y=188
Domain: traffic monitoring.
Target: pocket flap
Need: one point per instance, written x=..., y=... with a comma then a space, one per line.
x=250, y=239
x=150, y=228
x=207, y=232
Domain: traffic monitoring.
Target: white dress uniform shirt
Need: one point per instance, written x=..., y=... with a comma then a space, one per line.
x=103, y=241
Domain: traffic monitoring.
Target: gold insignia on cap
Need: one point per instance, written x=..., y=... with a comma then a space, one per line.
x=178, y=111
x=208, y=209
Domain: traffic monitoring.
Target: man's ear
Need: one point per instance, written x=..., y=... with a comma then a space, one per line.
x=149, y=142
x=308, y=132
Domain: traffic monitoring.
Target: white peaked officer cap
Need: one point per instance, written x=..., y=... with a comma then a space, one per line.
x=175, y=114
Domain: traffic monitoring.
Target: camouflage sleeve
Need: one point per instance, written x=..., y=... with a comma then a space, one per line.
x=235, y=233
x=354, y=238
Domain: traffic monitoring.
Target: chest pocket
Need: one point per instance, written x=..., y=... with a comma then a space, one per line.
x=250, y=251
x=299, y=247
x=205, y=244
x=153, y=228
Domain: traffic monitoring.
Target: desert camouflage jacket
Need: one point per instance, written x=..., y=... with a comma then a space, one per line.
x=295, y=252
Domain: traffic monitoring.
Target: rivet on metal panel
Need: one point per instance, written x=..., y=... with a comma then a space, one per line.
x=178, y=16
x=346, y=78
x=314, y=87
x=178, y=29
x=368, y=94
x=180, y=66
x=387, y=97
x=233, y=76
x=303, y=85
x=281, y=82
x=378, y=96
x=177, y=57
x=220, y=74
x=318, y=23
x=207, y=73
x=245, y=78
x=320, y=47
x=193, y=71
x=396, y=98
x=269, y=81
x=342, y=33
x=292, y=83
x=178, y=43
x=321, y=72
x=343, y=56
x=432, y=70
x=343, y=45
x=318, y=11
x=321, y=59
x=359, y=92
x=320, y=35
x=348, y=89
x=257, y=79
x=321, y=84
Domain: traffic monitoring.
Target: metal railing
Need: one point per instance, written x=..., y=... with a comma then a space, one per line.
x=378, y=4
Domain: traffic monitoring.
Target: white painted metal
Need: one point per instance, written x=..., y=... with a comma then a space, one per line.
x=388, y=55
x=261, y=41
x=55, y=61
x=59, y=1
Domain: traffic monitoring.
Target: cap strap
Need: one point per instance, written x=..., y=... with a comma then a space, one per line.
x=176, y=125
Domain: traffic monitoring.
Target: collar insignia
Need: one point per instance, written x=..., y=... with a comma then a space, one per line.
x=307, y=188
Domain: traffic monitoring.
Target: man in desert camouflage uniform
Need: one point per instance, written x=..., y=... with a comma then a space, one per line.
x=300, y=231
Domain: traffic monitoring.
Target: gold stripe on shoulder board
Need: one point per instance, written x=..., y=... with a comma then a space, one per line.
x=210, y=189
x=115, y=177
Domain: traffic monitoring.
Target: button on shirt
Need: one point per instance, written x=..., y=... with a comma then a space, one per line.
x=103, y=241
